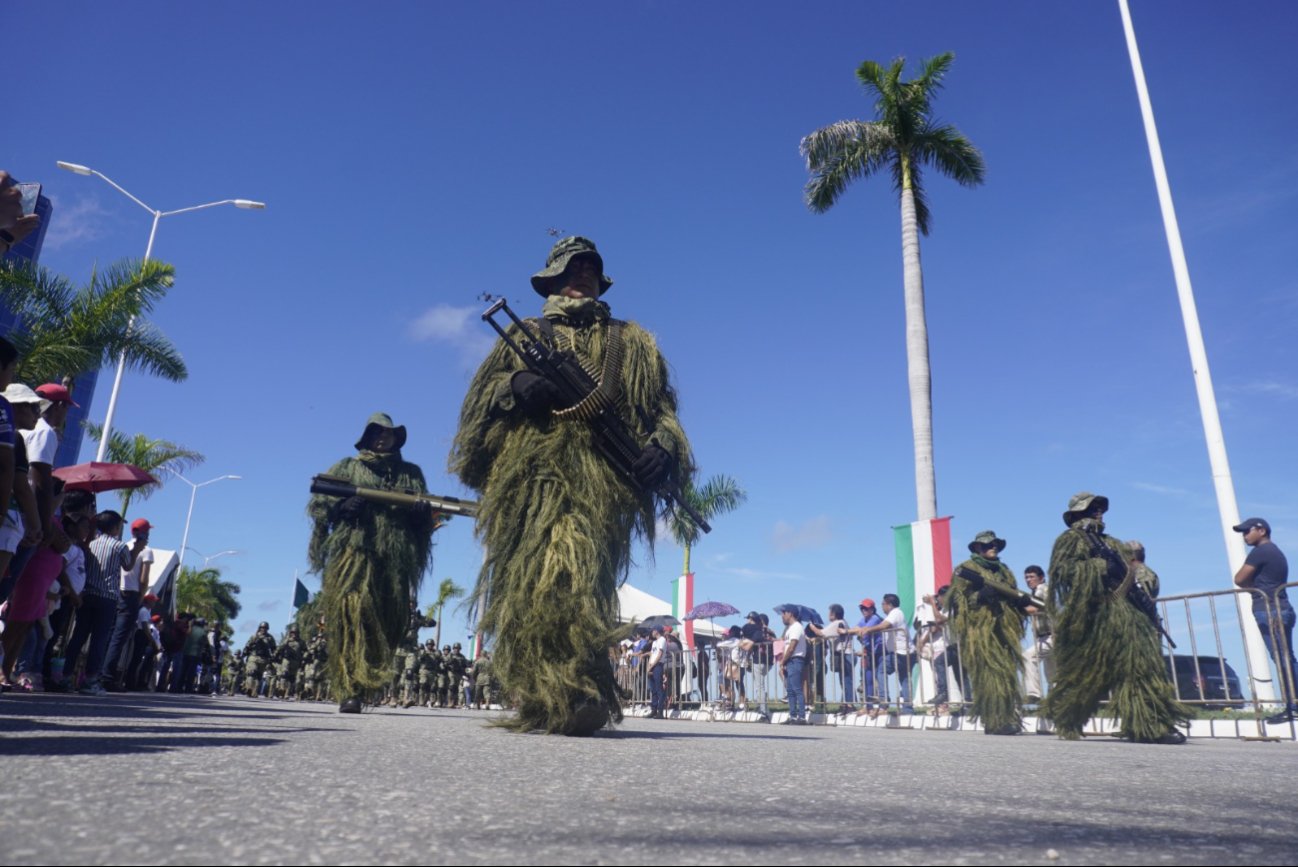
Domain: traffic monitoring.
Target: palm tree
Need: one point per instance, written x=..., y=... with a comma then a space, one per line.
x=66, y=331
x=719, y=494
x=152, y=456
x=446, y=591
x=203, y=592
x=902, y=139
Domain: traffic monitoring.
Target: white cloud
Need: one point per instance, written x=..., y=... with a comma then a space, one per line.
x=75, y=222
x=457, y=327
x=269, y=605
x=1160, y=489
x=813, y=533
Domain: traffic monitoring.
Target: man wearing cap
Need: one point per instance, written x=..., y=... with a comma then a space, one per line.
x=135, y=584
x=556, y=517
x=1144, y=576
x=1104, y=644
x=1265, y=572
x=372, y=558
x=986, y=612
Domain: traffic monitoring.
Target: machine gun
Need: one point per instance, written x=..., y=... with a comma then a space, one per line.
x=332, y=486
x=1126, y=585
x=577, y=388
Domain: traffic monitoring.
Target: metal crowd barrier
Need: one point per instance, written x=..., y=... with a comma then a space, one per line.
x=854, y=683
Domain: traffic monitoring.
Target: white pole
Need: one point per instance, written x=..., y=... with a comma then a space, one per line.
x=121, y=364
x=1227, y=507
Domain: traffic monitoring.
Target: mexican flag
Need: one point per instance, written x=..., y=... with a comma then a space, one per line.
x=923, y=559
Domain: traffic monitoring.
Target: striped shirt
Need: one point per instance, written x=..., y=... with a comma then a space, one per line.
x=104, y=566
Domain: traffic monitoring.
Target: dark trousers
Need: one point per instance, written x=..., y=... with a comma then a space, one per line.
x=657, y=694
x=128, y=611
x=95, y=620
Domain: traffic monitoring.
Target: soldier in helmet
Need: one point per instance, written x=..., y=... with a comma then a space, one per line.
x=557, y=518
x=372, y=557
x=459, y=668
x=444, y=676
x=483, y=694
x=257, y=655
x=1144, y=576
x=988, y=624
x=1104, y=643
x=430, y=666
x=288, y=660
x=234, y=673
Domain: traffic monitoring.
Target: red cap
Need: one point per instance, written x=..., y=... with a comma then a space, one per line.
x=866, y=603
x=140, y=524
x=57, y=393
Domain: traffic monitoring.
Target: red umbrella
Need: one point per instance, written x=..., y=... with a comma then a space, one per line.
x=96, y=477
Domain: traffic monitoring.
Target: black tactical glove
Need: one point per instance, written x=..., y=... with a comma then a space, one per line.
x=652, y=467
x=420, y=514
x=351, y=508
x=989, y=597
x=535, y=394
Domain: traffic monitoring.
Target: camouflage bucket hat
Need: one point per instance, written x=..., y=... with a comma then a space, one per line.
x=985, y=538
x=1081, y=503
x=382, y=420
x=556, y=263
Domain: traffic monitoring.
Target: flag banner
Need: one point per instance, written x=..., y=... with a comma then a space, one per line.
x=682, y=602
x=923, y=559
x=301, y=595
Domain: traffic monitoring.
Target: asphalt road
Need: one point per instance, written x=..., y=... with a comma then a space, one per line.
x=185, y=780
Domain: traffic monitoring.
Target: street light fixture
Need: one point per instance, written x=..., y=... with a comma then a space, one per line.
x=208, y=559
x=193, y=495
x=75, y=168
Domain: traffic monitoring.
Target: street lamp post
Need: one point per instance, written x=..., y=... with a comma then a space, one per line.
x=193, y=495
x=148, y=252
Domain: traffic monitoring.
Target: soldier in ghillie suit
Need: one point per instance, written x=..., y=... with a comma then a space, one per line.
x=372, y=557
x=986, y=612
x=556, y=517
x=1144, y=576
x=1104, y=644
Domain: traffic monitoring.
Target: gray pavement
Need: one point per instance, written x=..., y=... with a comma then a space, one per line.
x=187, y=780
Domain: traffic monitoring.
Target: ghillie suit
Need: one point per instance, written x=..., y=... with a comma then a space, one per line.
x=988, y=625
x=556, y=519
x=1103, y=644
x=371, y=564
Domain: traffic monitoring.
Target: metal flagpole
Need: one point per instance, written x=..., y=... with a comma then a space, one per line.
x=1228, y=509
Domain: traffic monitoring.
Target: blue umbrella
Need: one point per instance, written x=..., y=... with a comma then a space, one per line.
x=709, y=610
x=805, y=614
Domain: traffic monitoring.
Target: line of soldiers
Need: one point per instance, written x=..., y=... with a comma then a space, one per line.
x=421, y=675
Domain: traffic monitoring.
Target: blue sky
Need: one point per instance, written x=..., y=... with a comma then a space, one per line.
x=414, y=156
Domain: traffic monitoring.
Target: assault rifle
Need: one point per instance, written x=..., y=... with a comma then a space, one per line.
x=1135, y=594
x=575, y=385
x=1015, y=596
x=332, y=486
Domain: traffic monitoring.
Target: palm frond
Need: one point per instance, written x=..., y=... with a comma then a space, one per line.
x=150, y=351
x=133, y=285
x=839, y=154
x=947, y=150
x=718, y=495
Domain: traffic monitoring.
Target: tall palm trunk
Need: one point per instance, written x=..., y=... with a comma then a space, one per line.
x=917, y=369
x=687, y=560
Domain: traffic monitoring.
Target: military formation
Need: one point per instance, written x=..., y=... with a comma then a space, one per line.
x=420, y=675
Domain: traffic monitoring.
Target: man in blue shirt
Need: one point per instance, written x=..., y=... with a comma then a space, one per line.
x=871, y=657
x=1265, y=572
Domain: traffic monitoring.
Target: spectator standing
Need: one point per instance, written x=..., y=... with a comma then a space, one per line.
x=1040, y=651
x=931, y=645
x=838, y=648
x=133, y=573
x=99, y=604
x=21, y=532
x=656, y=665
x=871, y=655
x=897, y=654
x=793, y=665
x=1265, y=572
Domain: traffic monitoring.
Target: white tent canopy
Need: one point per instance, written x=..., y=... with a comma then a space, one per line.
x=637, y=605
